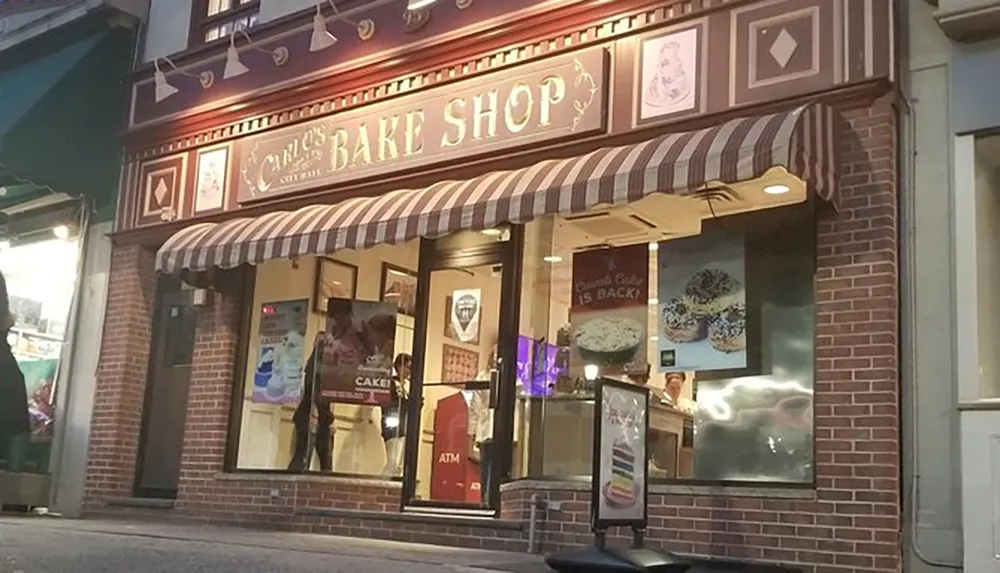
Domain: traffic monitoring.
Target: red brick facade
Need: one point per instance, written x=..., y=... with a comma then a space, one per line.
x=850, y=522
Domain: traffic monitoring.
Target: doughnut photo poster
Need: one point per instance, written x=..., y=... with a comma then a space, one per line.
x=702, y=314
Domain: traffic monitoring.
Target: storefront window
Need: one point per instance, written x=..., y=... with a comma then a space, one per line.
x=716, y=318
x=41, y=279
x=289, y=311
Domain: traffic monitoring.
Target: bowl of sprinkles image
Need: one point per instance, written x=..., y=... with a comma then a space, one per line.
x=609, y=341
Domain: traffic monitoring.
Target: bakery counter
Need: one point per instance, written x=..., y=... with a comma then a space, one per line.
x=567, y=435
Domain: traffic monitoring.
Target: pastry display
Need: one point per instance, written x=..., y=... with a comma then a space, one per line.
x=727, y=330
x=680, y=323
x=609, y=340
x=708, y=291
x=620, y=491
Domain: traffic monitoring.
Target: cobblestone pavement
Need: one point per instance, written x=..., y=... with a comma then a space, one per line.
x=49, y=545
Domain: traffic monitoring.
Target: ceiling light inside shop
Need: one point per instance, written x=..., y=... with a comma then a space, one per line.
x=61, y=231
x=552, y=259
x=776, y=189
x=654, y=301
x=654, y=246
x=590, y=371
x=492, y=232
x=418, y=4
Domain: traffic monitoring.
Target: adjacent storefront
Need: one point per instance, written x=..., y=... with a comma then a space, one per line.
x=387, y=317
x=57, y=188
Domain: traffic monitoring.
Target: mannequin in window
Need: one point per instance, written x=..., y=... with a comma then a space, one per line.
x=344, y=344
x=481, y=425
x=394, y=416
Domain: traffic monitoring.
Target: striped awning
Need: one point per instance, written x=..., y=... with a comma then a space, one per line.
x=800, y=140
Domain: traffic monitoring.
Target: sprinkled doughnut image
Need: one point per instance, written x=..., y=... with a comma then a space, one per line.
x=727, y=330
x=680, y=323
x=709, y=291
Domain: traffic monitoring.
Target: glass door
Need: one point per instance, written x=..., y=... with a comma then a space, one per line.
x=459, y=437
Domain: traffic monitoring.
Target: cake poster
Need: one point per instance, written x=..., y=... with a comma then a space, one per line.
x=281, y=354
x=358, y=343
x=466, y=306
x=620, y=490
x=609, y=309
x=702, y=314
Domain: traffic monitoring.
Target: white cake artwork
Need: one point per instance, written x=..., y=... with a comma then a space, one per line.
x=669, y=74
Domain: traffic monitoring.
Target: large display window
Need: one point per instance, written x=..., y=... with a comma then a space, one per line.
x=500, y=333
x=41, y=281
x=717, y=320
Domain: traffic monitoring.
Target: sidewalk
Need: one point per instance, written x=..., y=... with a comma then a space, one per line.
x=448, y=558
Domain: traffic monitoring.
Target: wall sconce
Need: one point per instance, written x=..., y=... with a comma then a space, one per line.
x=323, y=39
x=234, y=67
x=163, y=87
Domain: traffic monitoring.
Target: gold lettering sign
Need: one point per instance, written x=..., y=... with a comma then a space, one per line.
x=557, y=98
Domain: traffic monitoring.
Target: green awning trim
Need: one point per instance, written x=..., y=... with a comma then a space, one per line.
x=62, y=105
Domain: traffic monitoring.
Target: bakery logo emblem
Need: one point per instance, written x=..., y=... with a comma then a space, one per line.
x=465, y=312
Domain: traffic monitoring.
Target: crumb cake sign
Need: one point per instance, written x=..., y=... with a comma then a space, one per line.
x=702, y=314
x=608, y=315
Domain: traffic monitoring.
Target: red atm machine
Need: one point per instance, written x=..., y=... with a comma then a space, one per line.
x=454, y=477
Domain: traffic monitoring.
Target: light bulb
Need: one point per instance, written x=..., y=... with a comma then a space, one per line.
x=60, y=231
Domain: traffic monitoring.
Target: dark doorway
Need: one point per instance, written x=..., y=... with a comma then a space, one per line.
x=161, y=439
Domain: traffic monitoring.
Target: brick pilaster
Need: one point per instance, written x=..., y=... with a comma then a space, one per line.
x=121, y=375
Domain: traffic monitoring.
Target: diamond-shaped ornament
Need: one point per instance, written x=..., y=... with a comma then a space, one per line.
x=783, y=48
x=161, y=191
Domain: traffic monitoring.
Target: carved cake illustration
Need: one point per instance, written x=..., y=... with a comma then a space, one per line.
x=620, y=491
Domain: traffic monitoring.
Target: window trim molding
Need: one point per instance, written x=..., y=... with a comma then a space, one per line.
x=199, y=23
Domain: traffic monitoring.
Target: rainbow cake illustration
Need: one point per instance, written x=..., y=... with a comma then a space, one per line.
x=620, y=490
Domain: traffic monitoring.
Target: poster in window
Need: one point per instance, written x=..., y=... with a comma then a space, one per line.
x=619, y=495
x=466, y=306
x=609, y=312
x=702, y=314
x=281, y=354
x=334, y=279
x=449, y=327
x=358, y=342
x=399, y=286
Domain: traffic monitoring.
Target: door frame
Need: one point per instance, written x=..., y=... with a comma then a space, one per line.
x=169, y=292
x=508, y=254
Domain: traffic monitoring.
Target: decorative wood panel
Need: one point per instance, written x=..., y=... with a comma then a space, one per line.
x=749, y=54
x=162, y=184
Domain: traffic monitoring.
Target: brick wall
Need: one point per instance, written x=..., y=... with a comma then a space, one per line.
x=121, y=375
x=850, y=523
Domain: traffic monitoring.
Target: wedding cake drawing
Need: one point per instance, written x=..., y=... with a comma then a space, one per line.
x=670, y=83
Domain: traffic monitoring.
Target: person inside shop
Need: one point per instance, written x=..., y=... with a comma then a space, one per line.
x=343, y=344
x=481, y=424
x=14, y=420
x=394, y=415
x=674, y=392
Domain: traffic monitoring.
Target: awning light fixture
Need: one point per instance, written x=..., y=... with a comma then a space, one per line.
x=163, y=89
x=321, y=36
x=234, y=67
x=418, y=4
x=321, y=39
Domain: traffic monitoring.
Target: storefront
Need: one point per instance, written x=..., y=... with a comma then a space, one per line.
x=701, y=201
x=57, y=190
